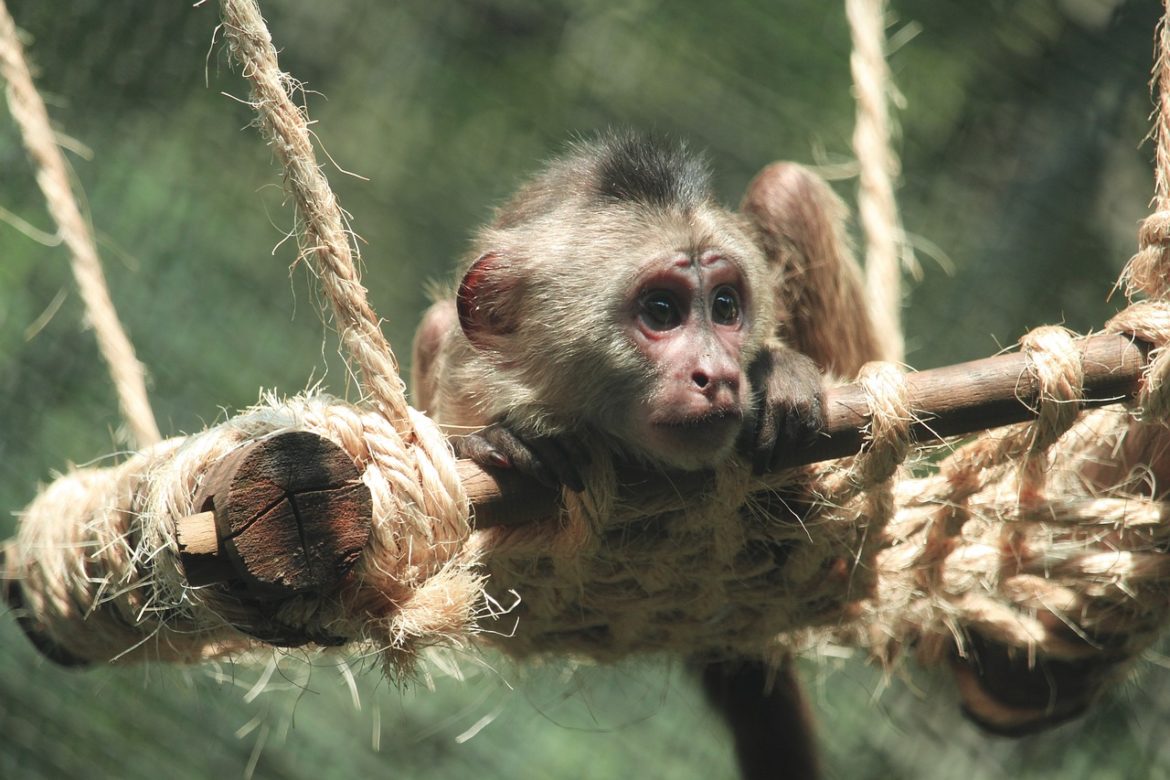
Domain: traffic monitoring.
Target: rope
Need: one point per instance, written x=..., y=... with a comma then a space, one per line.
x=1148, y=272
x=98, y=562
x=876, y=205
x=322, y=234
x=31, y=117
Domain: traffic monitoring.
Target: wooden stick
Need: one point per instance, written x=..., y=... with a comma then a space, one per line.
x=949, y=401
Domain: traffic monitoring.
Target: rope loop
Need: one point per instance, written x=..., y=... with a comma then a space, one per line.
x=1149, y=321
x=1055, y=363
x=890, y=419
x=1148, y=271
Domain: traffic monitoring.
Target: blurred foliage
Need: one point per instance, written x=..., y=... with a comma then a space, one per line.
x=1023, y=171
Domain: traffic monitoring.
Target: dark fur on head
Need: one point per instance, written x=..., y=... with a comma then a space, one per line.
x=616, y=167
x=636, y=169
x=547, y=341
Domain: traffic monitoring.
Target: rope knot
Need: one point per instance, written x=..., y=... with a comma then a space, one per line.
x=889, y=428
x=1149, y=321
x=1055, y=363
x=1148, y=271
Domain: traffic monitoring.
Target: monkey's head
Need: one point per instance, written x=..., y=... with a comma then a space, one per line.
x=613, y=297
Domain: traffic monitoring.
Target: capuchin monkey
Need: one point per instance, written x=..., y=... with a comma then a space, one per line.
x=613, y=303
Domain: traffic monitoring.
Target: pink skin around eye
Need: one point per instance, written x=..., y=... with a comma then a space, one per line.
x=691, y=283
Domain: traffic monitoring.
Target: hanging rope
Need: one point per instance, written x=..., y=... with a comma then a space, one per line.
x=53, y=177
x=876, y=206
x=1148, y=272
x=322, y=235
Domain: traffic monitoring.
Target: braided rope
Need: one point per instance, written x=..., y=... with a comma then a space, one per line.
x=322, y=235
x=99, y=568
x=28, y=110
x=876, y=205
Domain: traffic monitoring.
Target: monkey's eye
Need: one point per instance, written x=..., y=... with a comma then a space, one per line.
x=660, y=311
x=725, y=306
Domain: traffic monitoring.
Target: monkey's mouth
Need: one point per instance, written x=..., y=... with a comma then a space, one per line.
x=709, y=418
x=703, y=435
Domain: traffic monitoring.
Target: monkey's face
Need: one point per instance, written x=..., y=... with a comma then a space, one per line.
x=634, y=323
x=689, y=317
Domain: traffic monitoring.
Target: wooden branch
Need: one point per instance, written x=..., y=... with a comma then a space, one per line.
x=949, y=401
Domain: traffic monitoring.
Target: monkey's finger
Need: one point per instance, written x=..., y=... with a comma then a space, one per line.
x=764, y=445
x=560, y=456
x=476, y=448
x=520, y=454
x=803, y=424
x=795, y=432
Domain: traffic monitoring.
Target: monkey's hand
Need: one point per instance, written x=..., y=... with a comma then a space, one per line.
x=551, y=461
x=788, y=406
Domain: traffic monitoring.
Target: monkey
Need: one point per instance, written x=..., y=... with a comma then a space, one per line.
x=613, y=301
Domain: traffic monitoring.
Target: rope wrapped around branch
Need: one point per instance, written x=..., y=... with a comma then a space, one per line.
x=96, y=566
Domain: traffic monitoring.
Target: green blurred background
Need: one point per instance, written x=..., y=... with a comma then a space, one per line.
x=1024, y=178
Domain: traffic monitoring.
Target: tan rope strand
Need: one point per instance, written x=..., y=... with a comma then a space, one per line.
x=876, y=205
x=1161, y=82
x=52, y=175
x=323, y=236
x=1148, y=272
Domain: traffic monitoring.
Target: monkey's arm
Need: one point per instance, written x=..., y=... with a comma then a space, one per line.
x=548, y=461
x=820, y=299
x=769, y=718
x=436, y=323
x=822, y=314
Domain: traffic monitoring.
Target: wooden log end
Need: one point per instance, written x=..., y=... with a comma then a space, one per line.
x=285, y=515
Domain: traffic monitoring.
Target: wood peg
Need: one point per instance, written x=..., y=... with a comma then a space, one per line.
x=285, y=515
x=204, y=559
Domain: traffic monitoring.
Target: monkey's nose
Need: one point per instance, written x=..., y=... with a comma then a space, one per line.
x=710, y=382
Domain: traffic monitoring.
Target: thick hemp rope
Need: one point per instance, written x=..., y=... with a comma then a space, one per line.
x=99, y=578
x=1014, y=538
x=31, y=117
x=322, y=234
x=98, y=561
x=876, y=205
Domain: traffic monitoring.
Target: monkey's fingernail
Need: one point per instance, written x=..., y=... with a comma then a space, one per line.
x=499, y=460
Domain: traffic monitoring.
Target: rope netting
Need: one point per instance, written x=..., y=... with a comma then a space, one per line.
x=1046, y=536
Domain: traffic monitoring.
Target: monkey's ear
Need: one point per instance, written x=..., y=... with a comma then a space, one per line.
x=487, y=300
